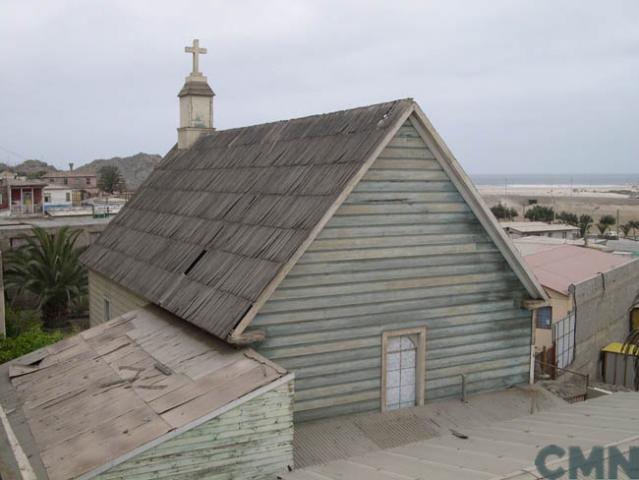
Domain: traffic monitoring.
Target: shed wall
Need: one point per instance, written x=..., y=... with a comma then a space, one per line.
x=603, y=314
x=252, y=441
x=121, y=299
x=403, y=251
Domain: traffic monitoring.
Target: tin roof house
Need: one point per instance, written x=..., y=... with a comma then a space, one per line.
x=348, y=249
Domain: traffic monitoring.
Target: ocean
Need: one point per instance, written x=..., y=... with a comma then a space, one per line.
x=565, y=180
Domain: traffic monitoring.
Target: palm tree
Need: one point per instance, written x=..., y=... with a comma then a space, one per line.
x=602, y=228
x=48, y=268
x=585, y=222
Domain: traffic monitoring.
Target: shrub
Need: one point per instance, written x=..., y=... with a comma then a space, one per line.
x=19, y=321
x=569, y=218
x=24, y=334
x=31, y=339
x=607, y=220
x=539, y=213
x=502, y=212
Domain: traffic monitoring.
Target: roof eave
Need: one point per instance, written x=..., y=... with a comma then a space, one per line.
x=474, y=200
x=270, y=289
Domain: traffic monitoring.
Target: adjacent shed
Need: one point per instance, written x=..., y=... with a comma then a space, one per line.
x=144, y=396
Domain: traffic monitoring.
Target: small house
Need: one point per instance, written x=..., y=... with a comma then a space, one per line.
x=57, y=197
x=541, y=229
x=21, y=197
x=592, y=294
x=85, y=182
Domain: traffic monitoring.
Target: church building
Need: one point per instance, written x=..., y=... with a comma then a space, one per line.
x=266, y=279
x=349, y=247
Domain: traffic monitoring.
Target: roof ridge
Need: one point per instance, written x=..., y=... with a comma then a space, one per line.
x=315, y=115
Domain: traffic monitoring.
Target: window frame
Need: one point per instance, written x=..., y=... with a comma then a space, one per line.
x=420, y=367
x=537, y=318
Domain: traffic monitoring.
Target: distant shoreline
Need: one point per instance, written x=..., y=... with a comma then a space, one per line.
x=620, y=200
x=580, y=181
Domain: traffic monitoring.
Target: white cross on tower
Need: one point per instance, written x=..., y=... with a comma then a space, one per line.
x=195, y=50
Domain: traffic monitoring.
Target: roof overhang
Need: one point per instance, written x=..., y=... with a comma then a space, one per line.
x=461, y=181
x=474, y=200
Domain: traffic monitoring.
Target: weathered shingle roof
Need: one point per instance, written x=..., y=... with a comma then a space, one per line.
x=84, y=402
x=214, y=225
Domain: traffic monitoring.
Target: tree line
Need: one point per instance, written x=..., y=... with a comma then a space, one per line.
x=540, y=213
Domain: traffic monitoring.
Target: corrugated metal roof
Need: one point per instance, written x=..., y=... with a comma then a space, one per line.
x=351, y=435
x=501, y=450
x=212, y=226
x=558, y=268
x=89, y=399
x=534, y=227
x=534, y=243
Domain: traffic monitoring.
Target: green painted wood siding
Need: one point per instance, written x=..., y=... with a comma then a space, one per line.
x=252, y=441
x=403, y=251
x=121, y=299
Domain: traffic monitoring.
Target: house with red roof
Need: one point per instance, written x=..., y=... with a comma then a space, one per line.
x=592, y=298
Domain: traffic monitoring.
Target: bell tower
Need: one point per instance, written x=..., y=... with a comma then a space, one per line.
x=196, y=103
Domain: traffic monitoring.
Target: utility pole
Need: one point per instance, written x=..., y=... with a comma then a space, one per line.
x=618, y=226
x=3, y=327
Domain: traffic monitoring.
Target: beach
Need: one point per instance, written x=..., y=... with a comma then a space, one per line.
x=594, y=200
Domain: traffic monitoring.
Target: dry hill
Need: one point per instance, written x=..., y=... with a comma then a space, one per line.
x=135, y=169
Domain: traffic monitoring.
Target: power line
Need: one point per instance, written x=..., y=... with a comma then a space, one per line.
x=13, y=153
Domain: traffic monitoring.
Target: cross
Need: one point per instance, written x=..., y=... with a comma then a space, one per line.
x=195, y=50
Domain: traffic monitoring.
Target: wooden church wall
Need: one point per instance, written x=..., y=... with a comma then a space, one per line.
x=403, y=251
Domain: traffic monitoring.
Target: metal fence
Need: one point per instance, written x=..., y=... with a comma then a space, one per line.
x=563, y=337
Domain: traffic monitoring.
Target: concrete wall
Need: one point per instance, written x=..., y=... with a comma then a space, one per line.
x=121, y=300
x=603, y=314
x=403, y=251
x=10, y=235
x=252, y=441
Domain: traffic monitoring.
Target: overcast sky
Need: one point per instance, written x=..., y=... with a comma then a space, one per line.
x=513, y=86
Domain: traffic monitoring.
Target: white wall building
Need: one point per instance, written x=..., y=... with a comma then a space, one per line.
x=57, y=197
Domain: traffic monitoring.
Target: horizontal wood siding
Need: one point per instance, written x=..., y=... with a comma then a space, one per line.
x=122, y=300
x=403, y=251
x=252, y=441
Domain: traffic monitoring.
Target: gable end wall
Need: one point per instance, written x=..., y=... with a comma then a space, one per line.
x=403, y=251
x=252, y=441
x=122, y=300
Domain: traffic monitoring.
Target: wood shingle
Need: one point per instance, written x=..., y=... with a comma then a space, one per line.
x=214, y=225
